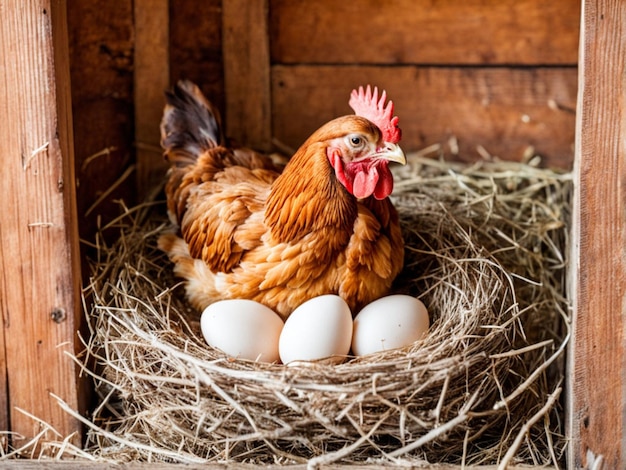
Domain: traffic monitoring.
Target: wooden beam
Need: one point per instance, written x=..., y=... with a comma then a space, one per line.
x=443, y=32
x=247, y=72
x=80, y=465
x=39, y=259
x=504, y=110
x=597, y=365
x=198, y=56
x=152, y=78
x=101, y=56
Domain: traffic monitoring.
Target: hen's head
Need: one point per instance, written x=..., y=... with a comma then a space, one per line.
x=367, y=143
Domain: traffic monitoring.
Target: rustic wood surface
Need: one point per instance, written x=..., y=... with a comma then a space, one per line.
x=196, y=52
x=597, y=367
x=505, y=110
x=101, y=68
x=472, y=32
x=247, y=72
x=152, y=77
x=43, y=465
x=40, y=272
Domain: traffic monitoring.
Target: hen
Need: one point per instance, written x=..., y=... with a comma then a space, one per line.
x=247, y=230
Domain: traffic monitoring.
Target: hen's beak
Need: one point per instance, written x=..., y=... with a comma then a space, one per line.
x=393, y=153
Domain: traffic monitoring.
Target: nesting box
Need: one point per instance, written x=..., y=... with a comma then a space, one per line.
x=82, y=101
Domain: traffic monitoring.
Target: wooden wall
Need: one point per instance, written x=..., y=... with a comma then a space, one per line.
x=39, y=257
x=103, y=64
x=497, y=74
x=501, y=75
x=596, y=376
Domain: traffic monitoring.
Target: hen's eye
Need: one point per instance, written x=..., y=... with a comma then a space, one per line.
x=356, y=141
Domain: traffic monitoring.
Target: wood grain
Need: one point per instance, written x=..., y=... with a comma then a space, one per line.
x=40, y=273
x=152, y=76
x=504, y=110
x=198, y=56
x=69, y=465
x=597, y=365
x=472, y=32
x=101, y=66
x=247, y=71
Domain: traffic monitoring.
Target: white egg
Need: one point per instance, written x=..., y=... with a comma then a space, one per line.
x=390, y=322
x=243, y=329
x=320, y=328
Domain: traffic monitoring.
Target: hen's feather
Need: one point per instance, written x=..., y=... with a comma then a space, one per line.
x=248, y=231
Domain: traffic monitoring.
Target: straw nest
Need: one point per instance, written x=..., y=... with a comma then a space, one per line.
x=485, y=251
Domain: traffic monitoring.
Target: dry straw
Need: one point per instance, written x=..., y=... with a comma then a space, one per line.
x=486, y=251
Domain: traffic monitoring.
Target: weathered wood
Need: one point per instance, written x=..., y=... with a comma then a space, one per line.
x=152, y=75
x=505, y=110
x=198, y=56
x=69, y=465
x=40, y=273
x=472, y=32
x=101, y=66
x=247, y=71
x=597, y=366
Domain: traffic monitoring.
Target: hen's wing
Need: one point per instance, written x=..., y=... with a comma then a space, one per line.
x=214, y=189
x=224, y=215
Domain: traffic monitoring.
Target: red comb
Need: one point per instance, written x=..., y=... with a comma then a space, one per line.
x=367, y=104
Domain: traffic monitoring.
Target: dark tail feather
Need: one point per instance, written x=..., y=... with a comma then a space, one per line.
x=190, y=124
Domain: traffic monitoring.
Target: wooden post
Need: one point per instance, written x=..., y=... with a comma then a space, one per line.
x=247, y=72
x=597, y=367
x=152, y=78
x=39, y=252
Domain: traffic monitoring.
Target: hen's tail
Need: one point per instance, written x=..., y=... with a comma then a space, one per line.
x=190, y=124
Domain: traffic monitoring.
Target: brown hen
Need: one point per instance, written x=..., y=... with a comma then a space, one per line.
x=247, y=230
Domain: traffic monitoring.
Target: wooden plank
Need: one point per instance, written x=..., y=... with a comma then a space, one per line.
x=40, y=275
x=246, y=72
x=468, y=32
x=198, y=56
x=505, y=110
x=5, y=412
x=597, y=365
x=69, y=465
x=101, y=66
x=152, y=75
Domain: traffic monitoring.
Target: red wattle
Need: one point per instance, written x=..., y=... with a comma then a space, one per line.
x=365, y=183
x=363, y=179
x=385, y=185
